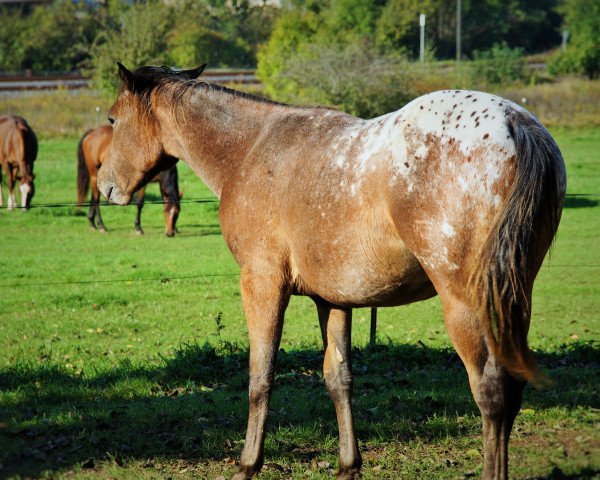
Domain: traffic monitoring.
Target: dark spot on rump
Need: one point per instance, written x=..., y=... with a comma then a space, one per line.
x=468, y=96
x=486, y=116
x=473, y=114
x=477, y=119
x=451, y=140
x=474, y=99
x=458, y=118
x=477, y=124
x=485, y=110
x=469, y=159
x=421, y=107
x=455, y=105
x=486, y=136
x=457, y=125
x=406, y=164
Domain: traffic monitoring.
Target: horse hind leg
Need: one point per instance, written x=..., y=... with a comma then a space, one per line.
x=96, y=211
x=138, y=215
x=336, y=325
x=497, y=394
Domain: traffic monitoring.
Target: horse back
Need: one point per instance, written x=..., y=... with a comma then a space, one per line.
x=452, y=170
x=94, y=145
x=18, y=142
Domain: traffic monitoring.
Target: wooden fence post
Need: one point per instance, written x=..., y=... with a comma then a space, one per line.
x=373, y=327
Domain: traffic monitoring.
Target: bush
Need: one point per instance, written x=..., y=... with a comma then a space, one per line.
x=499, y=65
x=351, y=77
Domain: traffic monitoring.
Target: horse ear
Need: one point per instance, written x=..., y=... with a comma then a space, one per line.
x=192, y=74
x=126, y=76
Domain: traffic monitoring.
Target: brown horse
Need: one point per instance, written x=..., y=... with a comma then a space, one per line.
x=457, y=194
x=18, y=150
x=91, y=152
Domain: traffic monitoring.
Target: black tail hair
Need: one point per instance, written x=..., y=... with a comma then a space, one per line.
x=523, y=230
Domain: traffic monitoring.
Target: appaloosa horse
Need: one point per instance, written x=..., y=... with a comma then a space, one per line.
x=18, y=150
x=91, y=152
x=457, y=194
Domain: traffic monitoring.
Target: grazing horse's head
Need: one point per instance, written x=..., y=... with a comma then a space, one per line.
x=27, y=189
x=171, y=213
x=136, y=153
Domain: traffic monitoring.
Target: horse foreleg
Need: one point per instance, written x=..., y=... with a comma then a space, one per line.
x=336, y=328
x=264, y=301
x=497, y=394
x=96, y=200
x=10, y=181
x=138, y=216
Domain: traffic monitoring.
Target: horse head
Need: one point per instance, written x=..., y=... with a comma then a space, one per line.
x=27, y=189
x=136, y=153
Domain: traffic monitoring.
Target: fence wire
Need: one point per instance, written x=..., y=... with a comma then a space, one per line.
x=187, y=200
x=165, y=279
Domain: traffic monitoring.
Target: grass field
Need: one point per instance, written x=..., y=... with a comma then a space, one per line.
x=126, y=357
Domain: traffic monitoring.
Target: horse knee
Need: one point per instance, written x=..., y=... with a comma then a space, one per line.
x=338, y=379
x=260, y=388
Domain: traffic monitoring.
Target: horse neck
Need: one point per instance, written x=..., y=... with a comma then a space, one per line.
x=212, y=131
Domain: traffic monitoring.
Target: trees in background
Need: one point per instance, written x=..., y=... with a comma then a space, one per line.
x=582, y=20
x=66, y=36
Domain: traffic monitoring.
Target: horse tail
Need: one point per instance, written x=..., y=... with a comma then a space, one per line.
x=512, y=254
x=83, y=174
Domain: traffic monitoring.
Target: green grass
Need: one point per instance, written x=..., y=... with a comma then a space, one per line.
x=143, y=374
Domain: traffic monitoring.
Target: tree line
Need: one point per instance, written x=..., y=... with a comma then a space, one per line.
x=66, y=35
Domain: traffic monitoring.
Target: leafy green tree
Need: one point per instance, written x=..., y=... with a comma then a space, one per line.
x=139, y=38
x=53, y=37
x=12, y=49
x=582, y=20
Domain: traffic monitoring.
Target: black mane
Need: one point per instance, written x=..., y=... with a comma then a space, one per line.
x=149, y=78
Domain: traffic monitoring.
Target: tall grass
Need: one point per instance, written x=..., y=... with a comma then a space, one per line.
x=58, y=113
x=571, y=103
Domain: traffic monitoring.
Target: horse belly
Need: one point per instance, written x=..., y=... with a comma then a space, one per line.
x=353, y=275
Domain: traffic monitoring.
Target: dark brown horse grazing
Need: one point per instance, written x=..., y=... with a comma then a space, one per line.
x=458, y=194
x=91, y=152
x=18, y=150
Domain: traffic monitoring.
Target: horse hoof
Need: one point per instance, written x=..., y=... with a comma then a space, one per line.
x=348, y=474
x=139, y=232
x=92, y=228
x=103, y=230
x=244, y=473
x=170, y=234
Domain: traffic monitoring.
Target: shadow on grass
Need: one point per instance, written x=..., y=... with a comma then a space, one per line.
x=580, y=202
x=193, y=405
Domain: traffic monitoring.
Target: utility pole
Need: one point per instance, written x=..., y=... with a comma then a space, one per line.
x=422, y=25
x=458, y=29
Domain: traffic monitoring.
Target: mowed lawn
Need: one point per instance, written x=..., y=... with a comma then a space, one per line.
x=125, y=356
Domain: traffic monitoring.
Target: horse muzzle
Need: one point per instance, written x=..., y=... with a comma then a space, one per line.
x=109, y=189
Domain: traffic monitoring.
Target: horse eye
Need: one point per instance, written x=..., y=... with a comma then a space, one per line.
x=111, y=120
